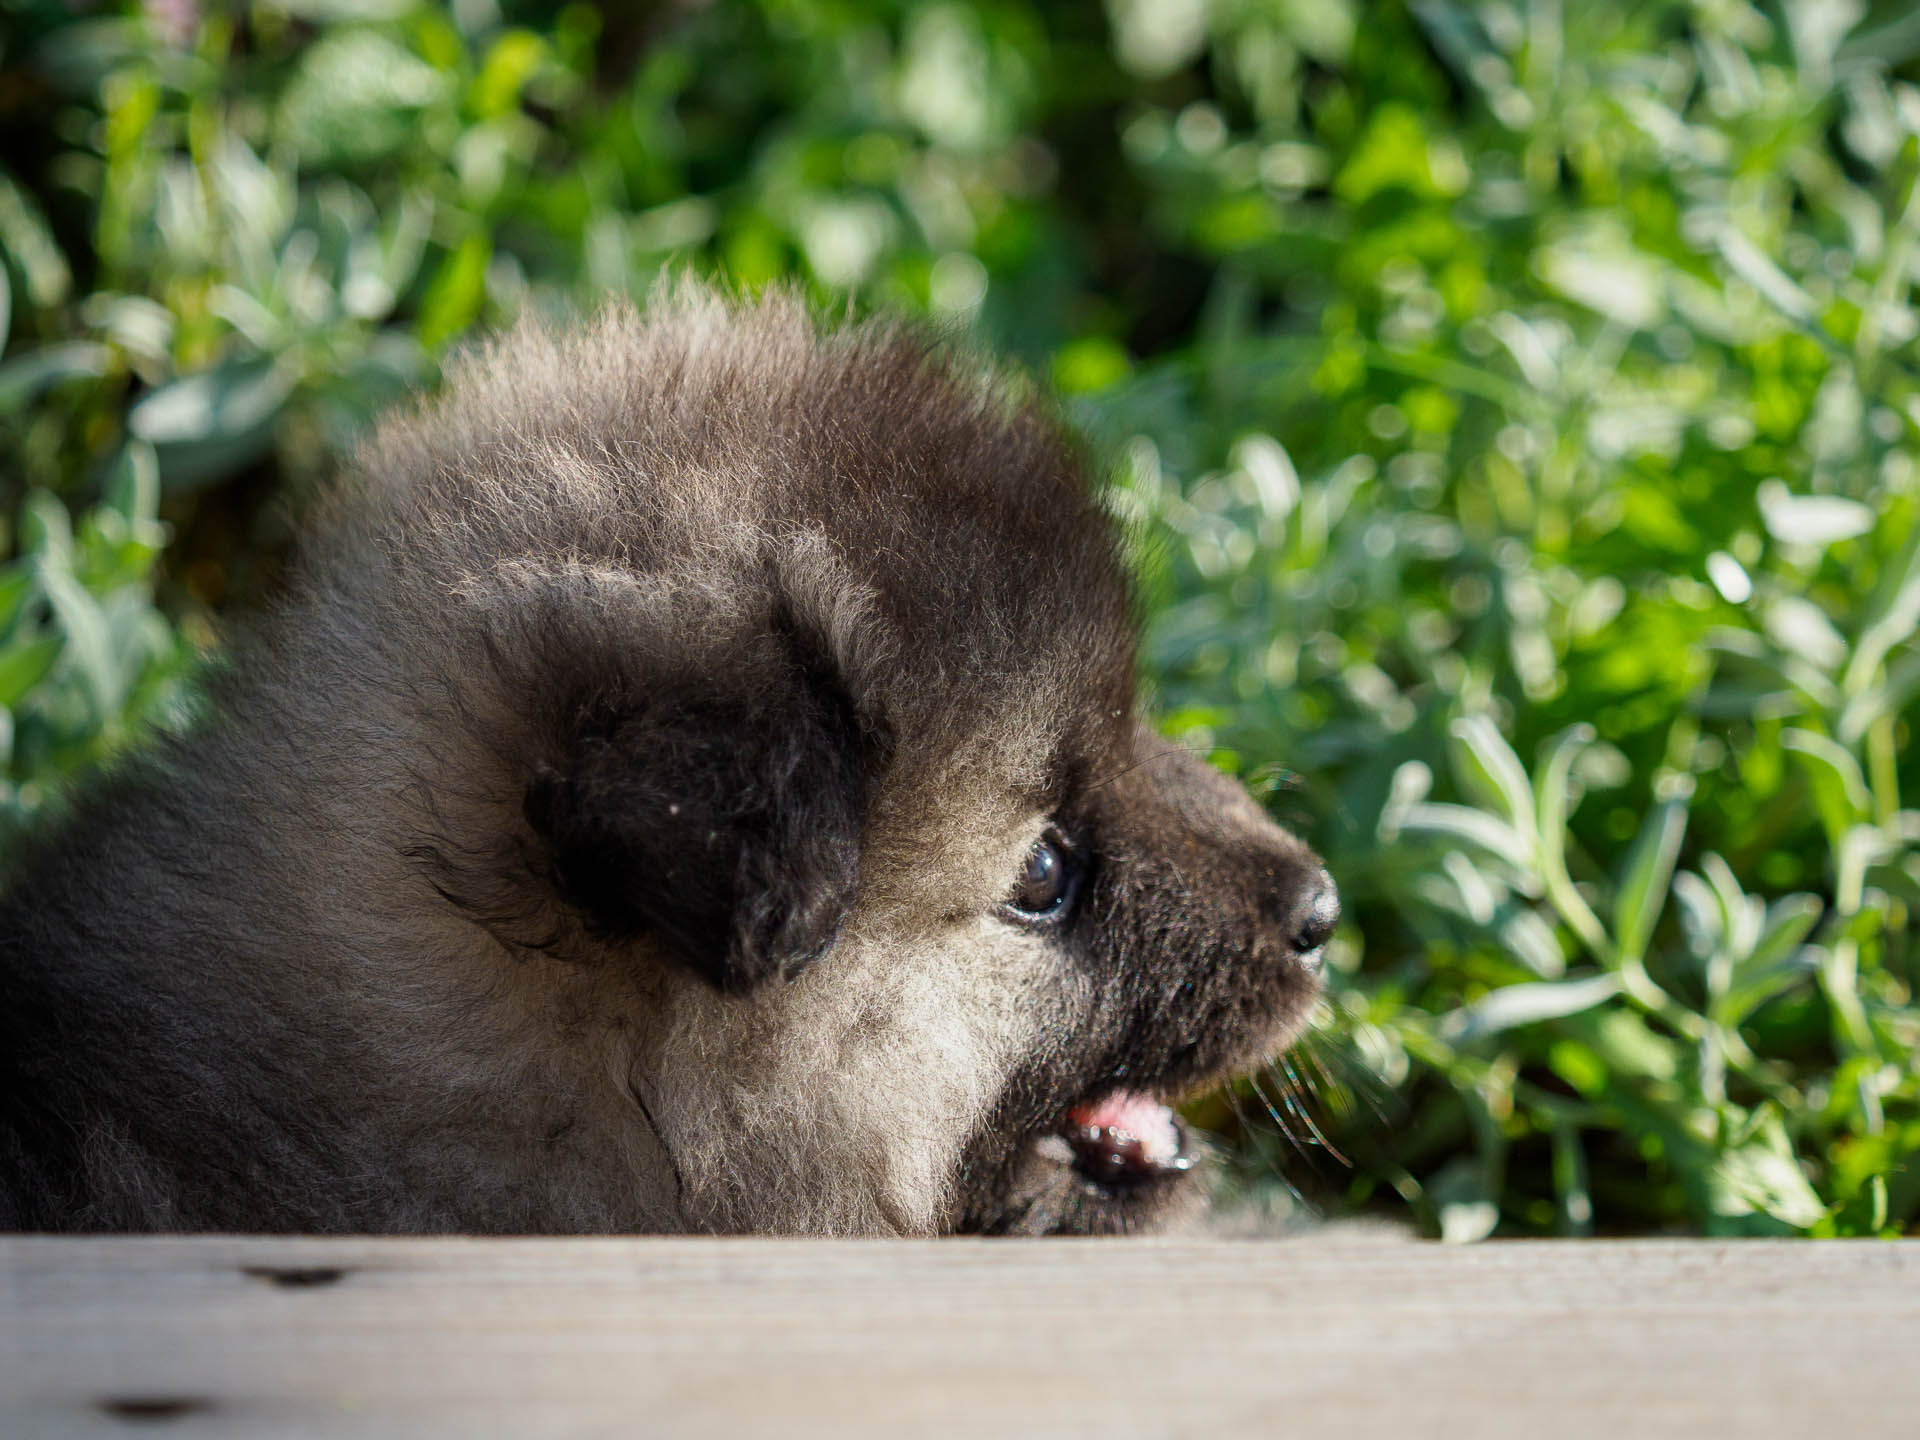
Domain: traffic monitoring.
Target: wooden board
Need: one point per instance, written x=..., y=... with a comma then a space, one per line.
x=1323, y=1335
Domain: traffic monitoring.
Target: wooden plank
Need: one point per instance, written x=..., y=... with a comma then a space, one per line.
x=1318, y=1336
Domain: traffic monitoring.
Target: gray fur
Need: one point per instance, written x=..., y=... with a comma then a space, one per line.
x=608, y=831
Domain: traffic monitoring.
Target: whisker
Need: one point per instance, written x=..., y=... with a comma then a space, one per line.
x=1331, y=1052
x=1301, y=1147
x=1248, y=1130
x=1191, y=754
x=1287, y=1085
x=1332, y=1092
x=1300, y=1108
x=1239, y=1115
x=1253, y=1083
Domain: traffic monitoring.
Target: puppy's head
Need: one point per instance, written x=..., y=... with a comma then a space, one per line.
x=814, y=663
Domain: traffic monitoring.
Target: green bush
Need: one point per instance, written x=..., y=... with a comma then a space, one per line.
x=1514, y=403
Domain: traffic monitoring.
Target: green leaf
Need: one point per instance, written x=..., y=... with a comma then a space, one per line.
x=356, y=98
x=1839, y=788
x=1556, y=774
x=1802, y=628
x=1745, y=914
x=28, y=242
x=16, y=587
x=46, y=530
x=1755, y=985
x=1892, y=623
x=1789, y=920
x=1487, y=769
x=87, y=640
x=1889, y=697
x=1570, y=1181
x=1596, y=265
x=1461, y=822
x=1628, y=1044
x=206, y=426
x=1760, y=1173
x=25, y=377
x=1088, y=365
x=1703, y=915
x=379, y=268
x=1464, y=1205
x=1753, y=265
x=1860, y=848
x=1517, y=1005
x=1649, y=871
x=1534, y=943
x=1811, y=519
x=24, y=665
x=133, y=488
x=1580, y=1065
x=512, y=61
x=1392, y=153
x=459, y=288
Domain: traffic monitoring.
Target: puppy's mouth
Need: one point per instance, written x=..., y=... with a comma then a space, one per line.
x=1122, y=1143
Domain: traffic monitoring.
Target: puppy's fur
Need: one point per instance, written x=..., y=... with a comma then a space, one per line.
x=613, y=830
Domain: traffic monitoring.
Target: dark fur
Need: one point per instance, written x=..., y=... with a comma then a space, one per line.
x=608, y=829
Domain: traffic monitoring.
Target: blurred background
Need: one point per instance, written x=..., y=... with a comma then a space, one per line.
x=1515, y=402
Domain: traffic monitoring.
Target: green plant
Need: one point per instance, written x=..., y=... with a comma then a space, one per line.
x=1584, y=418
x=1514, y=403
x=86, y=661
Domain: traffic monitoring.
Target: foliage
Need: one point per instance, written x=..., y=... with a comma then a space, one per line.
x=1514, y=401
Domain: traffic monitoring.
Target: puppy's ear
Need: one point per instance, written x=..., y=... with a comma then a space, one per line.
x=720, y=815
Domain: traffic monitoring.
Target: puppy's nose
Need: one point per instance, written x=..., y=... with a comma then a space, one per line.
x=1314, y=918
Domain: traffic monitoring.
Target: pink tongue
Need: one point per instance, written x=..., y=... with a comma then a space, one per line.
x=1147, y=1121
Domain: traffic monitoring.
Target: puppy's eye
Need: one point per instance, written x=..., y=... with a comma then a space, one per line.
x=1047, y=882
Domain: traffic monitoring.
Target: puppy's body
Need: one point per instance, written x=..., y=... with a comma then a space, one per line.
x=614, y=830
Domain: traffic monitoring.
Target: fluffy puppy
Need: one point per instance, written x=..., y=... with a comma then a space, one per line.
x=691, y=784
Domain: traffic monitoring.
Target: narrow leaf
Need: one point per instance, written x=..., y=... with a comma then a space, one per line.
x=133, y=488
x=1556, y=776
x=25, y=376
x=85, y=625
x=23, y=666
x=1643, y=887
x=1487, y=768
x=1462, y=822
x=1839, y=789
x=1516, y=1005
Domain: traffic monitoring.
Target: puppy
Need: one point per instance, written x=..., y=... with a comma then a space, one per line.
x=692, y=783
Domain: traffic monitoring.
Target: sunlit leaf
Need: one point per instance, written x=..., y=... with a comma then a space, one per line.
x=1527, y=1004
x=1463, y=1206
x=1465, y=823
x=1839, y=788
x=24, y=665
x=26, y=240
x=1761, y=1173
x=207, y=426
x=26, y=375
x=1487, y=767
x=87, y=642
x=458, y=290
x=1534, y=943
x=1556, y=773
x=1643, y=885
x=133, y=489
x=1811, y=519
